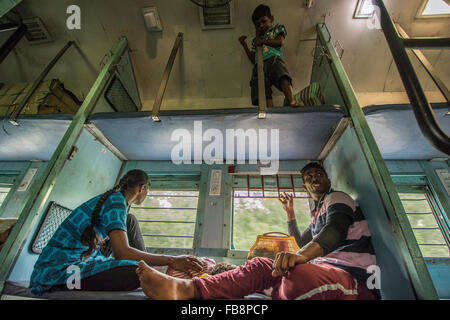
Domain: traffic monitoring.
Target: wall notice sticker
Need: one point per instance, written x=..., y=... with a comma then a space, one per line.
x=27, y=179
x=215, y=182
x=444, y=175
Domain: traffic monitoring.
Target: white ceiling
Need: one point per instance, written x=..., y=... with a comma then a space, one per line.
x=212, y=70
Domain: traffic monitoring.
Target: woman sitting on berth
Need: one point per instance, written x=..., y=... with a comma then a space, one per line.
x=75, y=246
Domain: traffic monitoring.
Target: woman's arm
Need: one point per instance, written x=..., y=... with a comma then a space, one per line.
x=122, y=251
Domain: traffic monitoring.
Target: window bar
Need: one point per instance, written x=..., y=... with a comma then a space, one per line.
x=278, y=186
x=293, y=185
x=166, y=221
x=442, y=224
x=419, y=213
x=262, y=182
x=164, y=208
x=171, y=196
x=425, y=228
x=166, y=235
x=263, y=189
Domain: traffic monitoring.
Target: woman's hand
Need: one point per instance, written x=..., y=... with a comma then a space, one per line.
x=285, y=261
x=188, y=264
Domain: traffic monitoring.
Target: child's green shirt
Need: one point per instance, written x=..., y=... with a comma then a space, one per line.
x=271, y=34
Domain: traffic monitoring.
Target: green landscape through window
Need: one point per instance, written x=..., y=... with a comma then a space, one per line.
x=424, y=224
x=254, y=216
x=167, y=218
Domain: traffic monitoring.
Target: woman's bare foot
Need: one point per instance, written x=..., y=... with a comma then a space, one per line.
x=159, y=286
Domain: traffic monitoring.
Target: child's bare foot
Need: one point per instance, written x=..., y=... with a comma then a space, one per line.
x=159, y=286
x=296, y=104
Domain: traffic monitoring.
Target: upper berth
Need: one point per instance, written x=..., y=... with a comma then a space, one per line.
x=303, y=132
x=397, y=132
x=35, y=138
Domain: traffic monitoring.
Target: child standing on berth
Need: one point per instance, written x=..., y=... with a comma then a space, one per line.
x=271, y=38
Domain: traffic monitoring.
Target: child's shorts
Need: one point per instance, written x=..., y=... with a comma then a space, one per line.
x=274, y=71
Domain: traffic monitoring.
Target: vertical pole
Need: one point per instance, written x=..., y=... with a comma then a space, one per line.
x=261, y=84
x=203, y=192
x=41, y=188
x=165, y=78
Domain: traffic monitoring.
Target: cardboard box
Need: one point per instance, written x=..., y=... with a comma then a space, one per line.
x=50, y=97
x=6, y=226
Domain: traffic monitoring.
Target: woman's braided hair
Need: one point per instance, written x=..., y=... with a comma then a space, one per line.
x=89, y=237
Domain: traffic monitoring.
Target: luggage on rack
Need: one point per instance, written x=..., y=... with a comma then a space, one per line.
x=50, y=97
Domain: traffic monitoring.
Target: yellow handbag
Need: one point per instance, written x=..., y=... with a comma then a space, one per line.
x=268, y=245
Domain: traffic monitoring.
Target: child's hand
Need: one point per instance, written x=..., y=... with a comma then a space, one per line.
x=259, y=42
x=242, y=39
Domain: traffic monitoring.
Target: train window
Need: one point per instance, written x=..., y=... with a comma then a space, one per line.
x=257, y=210
x=167, y=218
x=7, y=181
x=429, y=224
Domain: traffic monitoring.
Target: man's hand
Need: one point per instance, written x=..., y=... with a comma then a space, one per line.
x=287, y=200
x=285, y=261
x=242, y=39
x=188, y=264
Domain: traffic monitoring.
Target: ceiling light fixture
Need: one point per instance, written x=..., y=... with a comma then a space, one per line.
x=151, y=18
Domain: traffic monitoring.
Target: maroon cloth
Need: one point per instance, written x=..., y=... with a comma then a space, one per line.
x=306, y=281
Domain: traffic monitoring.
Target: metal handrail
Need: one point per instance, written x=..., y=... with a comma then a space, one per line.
x=37, y=83
x=422, y=110
x=165, y=78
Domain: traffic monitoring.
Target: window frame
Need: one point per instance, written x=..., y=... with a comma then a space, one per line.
x=170, y=181
x=9, y=180
x=420, y=184
x=281, y=186
x=422, y=7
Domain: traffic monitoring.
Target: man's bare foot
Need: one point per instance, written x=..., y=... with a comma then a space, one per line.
x=159, y=286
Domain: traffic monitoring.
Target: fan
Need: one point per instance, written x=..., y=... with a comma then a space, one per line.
x=209, y=4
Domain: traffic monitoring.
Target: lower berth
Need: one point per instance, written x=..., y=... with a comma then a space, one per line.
x=20, y=290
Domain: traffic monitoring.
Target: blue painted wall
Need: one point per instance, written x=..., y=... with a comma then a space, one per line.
x=349, y=172
x=93, y=170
